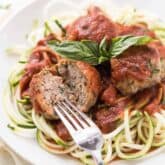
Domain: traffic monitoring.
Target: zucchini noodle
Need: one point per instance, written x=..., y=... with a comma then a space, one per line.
x=135, y=137
x=20, y=118
x=126, y=124
x=41, y=124
x=120, y=138
x=130, y=16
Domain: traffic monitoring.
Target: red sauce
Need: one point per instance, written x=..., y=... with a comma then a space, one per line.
x=134, y=62
x=94, y=26
x=154, y=104
x=61, y=130
x=107, y=118
x=37, y=61
x=109, y=95
x=153, y=95
x=135, y=30
x=152, y=108
x=148, y=94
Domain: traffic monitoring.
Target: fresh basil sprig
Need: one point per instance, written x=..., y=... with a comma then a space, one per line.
x=120, y=44
x=82, y=51
x=94, y=53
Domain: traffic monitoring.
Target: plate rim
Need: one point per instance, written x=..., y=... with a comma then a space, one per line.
x=15, y=12
x=3, y=25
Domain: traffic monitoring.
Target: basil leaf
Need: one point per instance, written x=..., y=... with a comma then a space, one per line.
x=102, y=59
x=103, y=47
x=122, y=43
x=94, y=53
x=93, y=46
x=76, y=50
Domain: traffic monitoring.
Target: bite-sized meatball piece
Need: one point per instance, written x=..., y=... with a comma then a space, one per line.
x=77, y=81
x=61, y=130
x=93, y=26
x=107, y=118
x=137, y=68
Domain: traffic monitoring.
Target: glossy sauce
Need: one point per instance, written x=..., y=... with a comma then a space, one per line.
x=94, y=26
x=134, y=62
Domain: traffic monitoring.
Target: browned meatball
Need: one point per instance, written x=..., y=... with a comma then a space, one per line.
x=61, y=130
x=77, y=81
x=136, y=69
x=93, y=26
x=107, y=118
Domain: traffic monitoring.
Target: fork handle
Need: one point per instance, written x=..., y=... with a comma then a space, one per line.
x=97, y=157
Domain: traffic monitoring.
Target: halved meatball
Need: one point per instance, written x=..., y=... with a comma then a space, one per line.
x=77, y=81
x=93, y=26
x=42, y=56
x=137, y=68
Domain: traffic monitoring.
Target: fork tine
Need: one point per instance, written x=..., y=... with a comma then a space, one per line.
x=69, y=116
x=90, y=138
x=89, y=122
x=77, y=116
x=64, y=120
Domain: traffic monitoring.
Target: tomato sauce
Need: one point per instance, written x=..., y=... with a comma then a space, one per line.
x=134, y=62
x=94, y=26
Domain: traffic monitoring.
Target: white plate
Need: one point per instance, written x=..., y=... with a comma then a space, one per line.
x=13, y=32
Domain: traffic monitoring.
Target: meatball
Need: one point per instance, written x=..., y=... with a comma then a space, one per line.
x=77, y=81
x=107, y=118
x=93, y=26
x=61, y=130
x=137, y=68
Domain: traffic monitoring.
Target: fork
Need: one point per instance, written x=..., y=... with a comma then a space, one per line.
x=82, y=129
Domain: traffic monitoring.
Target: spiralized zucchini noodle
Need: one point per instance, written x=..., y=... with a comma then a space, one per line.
x=138, y=135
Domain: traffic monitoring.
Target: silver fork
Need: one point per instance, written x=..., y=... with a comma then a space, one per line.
x=82, y=129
